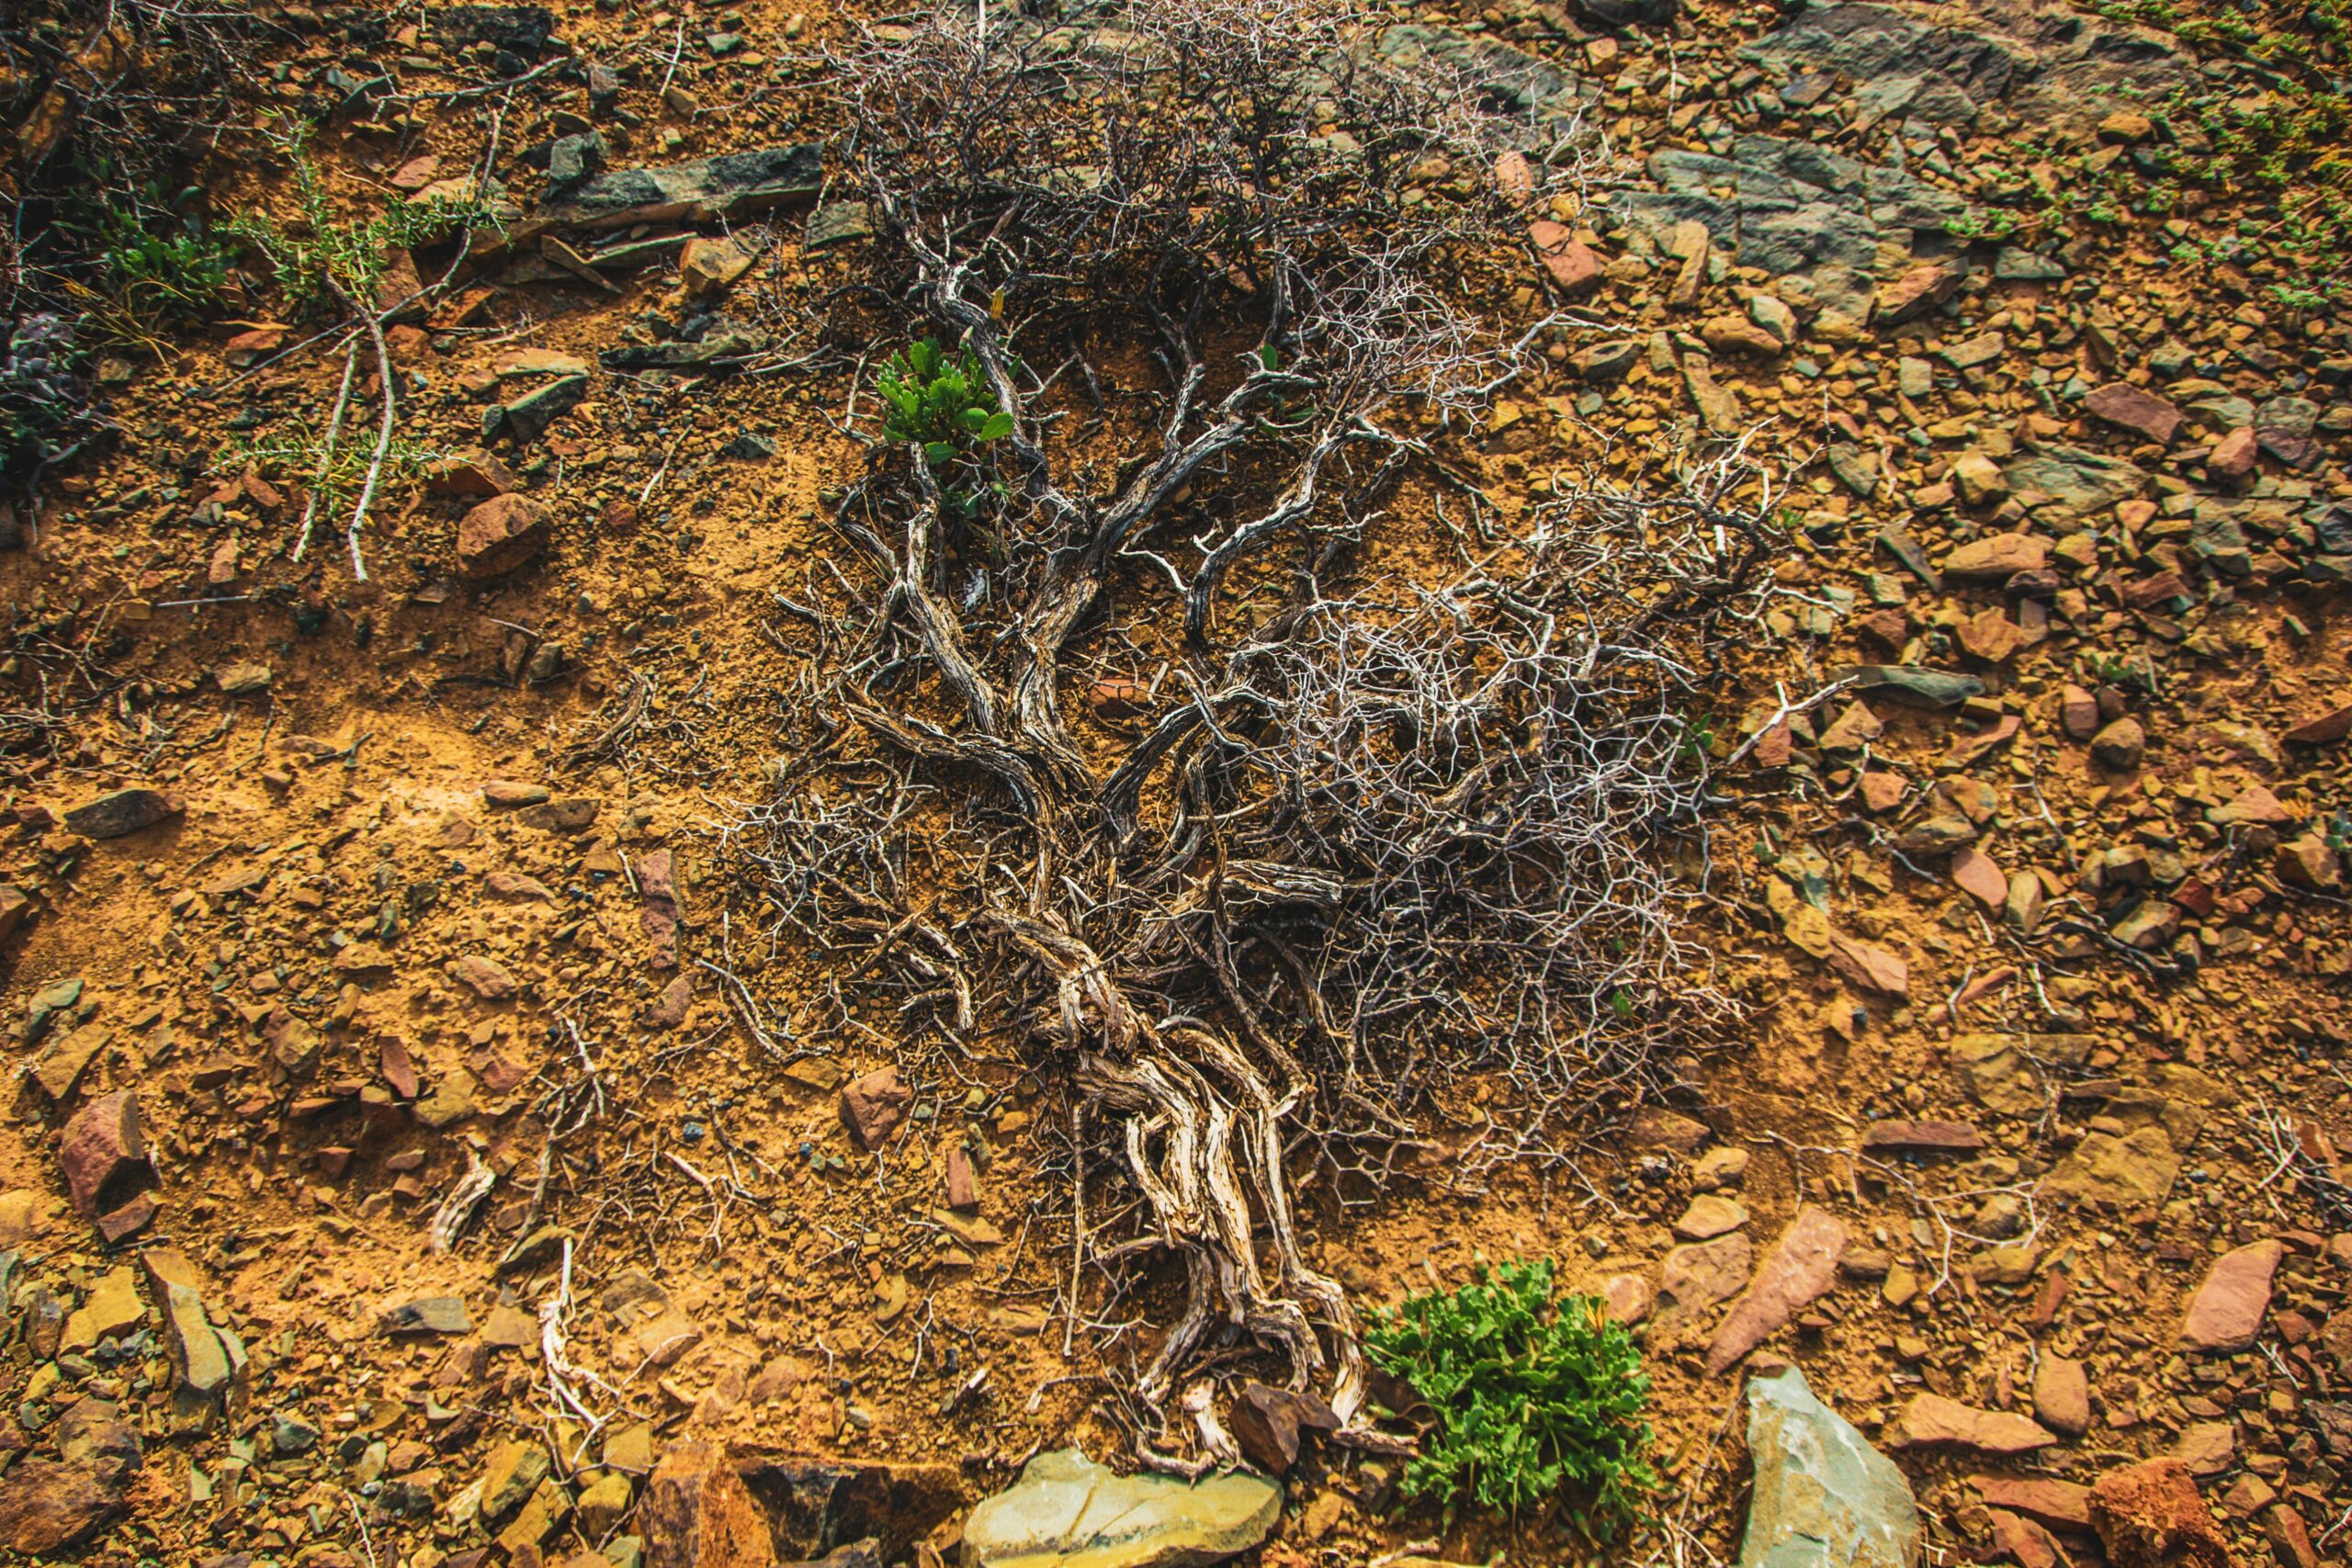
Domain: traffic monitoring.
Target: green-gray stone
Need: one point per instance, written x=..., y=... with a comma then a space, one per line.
x=1065, y=1508
x=1824, y=1497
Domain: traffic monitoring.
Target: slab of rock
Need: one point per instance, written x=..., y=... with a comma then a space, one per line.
x=2135, y=409
x=1272, y=1425
x=711, y=265
x=2152, y=1516
x=813, y=1504
x=697, y=1513
x=2061, y=1504
x=1065, y=1507
x=1710, y=1216
x=2226, y=1312
x=1695, y=1278
x=527, y=417
x=1823, y=1495
x=696, y=192
x=2062, y=1395
x=1913, y=685
x=1800, y=1269
x=500, y=534
x=2136, y=1171
x=1922, y=1137
x=874, y=1106
x=206, y=1363
x=124, y=812
x=1571, y=264
x=837, y=223
x=1996, y=558
x=2069, y=482
x=1870, y=968
x=103, y=1155
x=48, y=1504
x=1932, y=1421
x=427, y=1314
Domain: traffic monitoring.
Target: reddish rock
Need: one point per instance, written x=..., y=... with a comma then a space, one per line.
x=45, y=1506
x=1915, y=293
x=2135, y=409
x=102, y=1154
x=500, y=534
x=1996, y=558
x=963, y=1182
x=1922, y=1137
x=1271, y=1425
x=669, y=1010
x=469, y=474
x=2062, y=1396
x=2233, y=456
x=1572, y=264
x=874, y=1106
x=2307, y=861
x=2151, y=1516
x=1932, y=1421
x=697, y=1513
x=2226, y=1312
x=2323, y=730
x=1884, y=791
x=1979, y=876
x=484, y=976
x=1868, y=967
x=2121, y=747
x=2061, y=1504
x=1627, y=1298
x=2077, y=713
x=2022, y=1541
x=1798, y=1271
x=2254, y=807
x=2290, y=1539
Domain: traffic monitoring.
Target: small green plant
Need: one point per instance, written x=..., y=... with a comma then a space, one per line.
x=1534, y=1399
x=319, y=257
x=943, y=402
x=331, y=468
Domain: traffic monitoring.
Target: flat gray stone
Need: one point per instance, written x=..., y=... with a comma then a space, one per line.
x=696, y=192
x=124, y=812
x=1068, y=1509
x=837, y=223
x=2075, y=482
x=1824, y=1497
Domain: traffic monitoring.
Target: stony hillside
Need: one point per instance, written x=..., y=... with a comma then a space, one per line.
x=545, y=909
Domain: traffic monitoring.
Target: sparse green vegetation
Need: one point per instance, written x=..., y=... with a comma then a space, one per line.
x=321, y=256
x=1535, y=1399
x=943, y=403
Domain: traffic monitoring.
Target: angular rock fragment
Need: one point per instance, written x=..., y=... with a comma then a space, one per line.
x=697, y=192
x=1801, y=1266
x=1065, y=1507
x=124, y=812
x=1822, y=1493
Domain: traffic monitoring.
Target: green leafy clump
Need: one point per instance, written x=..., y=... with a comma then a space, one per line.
x=1533, y=1399
x=320, y=255
x=941, y=402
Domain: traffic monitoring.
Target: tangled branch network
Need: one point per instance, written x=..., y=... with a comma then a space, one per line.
x=1169, y=736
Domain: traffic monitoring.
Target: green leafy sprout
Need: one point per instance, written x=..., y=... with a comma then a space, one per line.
x=318, y=255
x=1534, y=1398
x=943, y=403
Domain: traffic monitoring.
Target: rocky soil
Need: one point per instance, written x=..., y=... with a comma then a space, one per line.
x=417, y=1160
